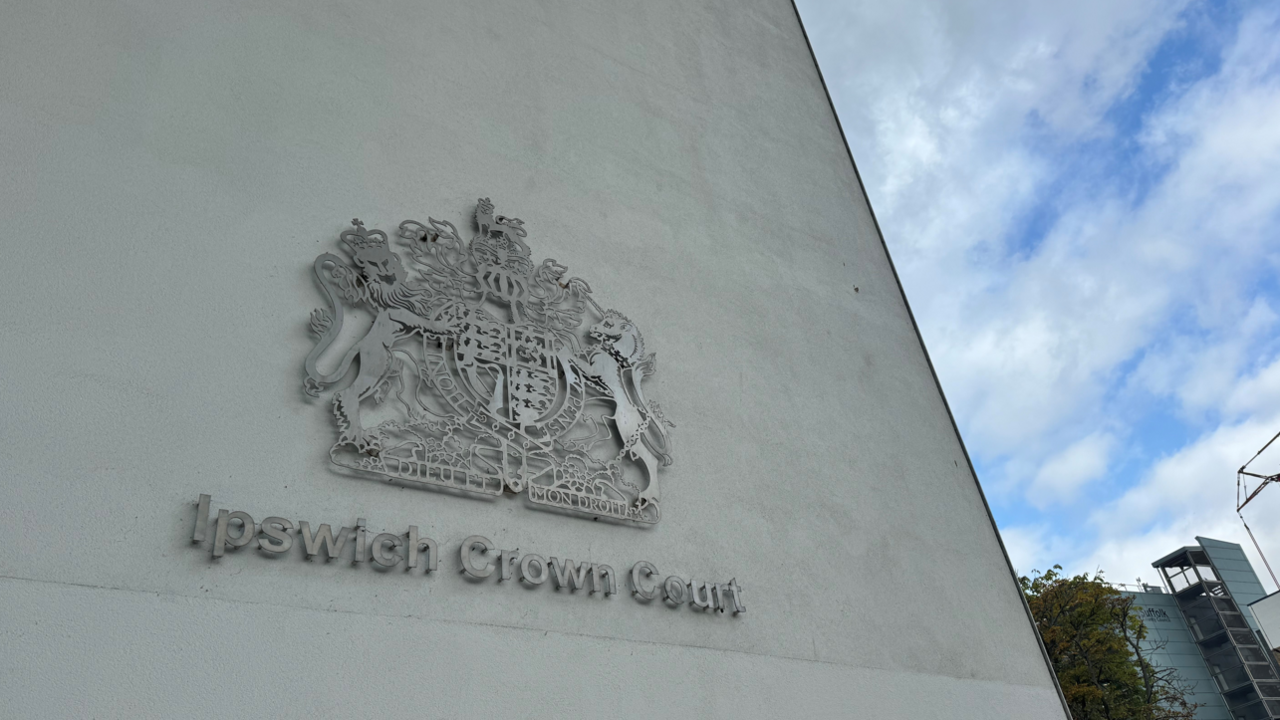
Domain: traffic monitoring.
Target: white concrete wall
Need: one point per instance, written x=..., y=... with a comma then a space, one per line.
x=169, y=170
x=1267, y=612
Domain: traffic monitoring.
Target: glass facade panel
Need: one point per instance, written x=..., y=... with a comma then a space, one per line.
x=1253, y=655
x=1179, y=582
x=1214, y=644
x=1225, y=605
x=1240, y=696
x=1253, y=711
x=1235, y=620
x=1261, y=672
x=1243, y=638
x=1232, y=678
x=1224, y=659
x=1201, y=616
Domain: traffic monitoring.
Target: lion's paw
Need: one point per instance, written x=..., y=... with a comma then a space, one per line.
x=368, y=443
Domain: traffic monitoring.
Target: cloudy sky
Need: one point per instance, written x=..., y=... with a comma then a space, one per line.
x=1083, y=201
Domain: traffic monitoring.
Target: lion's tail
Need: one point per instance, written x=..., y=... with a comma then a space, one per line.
x=328, y=328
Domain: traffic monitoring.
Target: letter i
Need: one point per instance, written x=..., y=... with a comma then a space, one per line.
x=360, y=540
x=202, y=519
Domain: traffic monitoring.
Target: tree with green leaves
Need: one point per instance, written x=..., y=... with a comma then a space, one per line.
x=1101, y=650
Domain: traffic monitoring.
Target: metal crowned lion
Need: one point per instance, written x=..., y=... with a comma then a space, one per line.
x=478, y=375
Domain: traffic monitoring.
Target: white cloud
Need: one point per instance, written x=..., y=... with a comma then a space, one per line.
x=1034, y=548
x=1257, y=394
x=966, y=117
x=1062, y=476
x=1189, y=494
x=1027, y=548
x=1200, y=372
x=1028, y=344
x=934, y=97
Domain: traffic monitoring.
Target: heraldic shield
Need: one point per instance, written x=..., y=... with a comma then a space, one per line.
x=481, y=373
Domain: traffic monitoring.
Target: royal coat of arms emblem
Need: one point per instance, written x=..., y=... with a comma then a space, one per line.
x=483, y=373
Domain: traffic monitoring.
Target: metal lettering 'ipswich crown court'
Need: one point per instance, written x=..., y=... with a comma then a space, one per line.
x=484, y=373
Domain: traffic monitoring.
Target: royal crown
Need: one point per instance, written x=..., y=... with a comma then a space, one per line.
x=358, y=238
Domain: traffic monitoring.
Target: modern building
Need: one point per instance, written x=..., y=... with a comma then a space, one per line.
x=1201, y=624
x=260, y=459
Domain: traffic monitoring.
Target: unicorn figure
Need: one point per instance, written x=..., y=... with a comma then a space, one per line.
x=617, y=366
